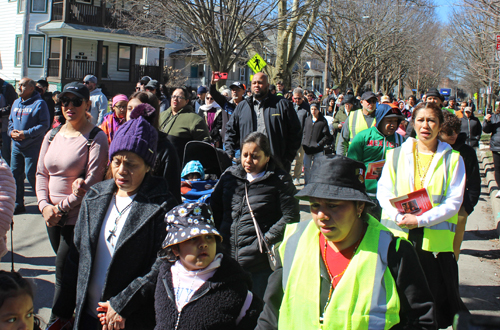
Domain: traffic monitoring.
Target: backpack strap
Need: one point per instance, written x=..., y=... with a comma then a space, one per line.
x=92, y=135
x=53, y=133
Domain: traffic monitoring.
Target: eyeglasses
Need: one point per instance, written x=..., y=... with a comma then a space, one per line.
x=76, y=101
x=372, y=101
x=121, y=107
x=86, y=82
x=176, y=97
x=209, y=98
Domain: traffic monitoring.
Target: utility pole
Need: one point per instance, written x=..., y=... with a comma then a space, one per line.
x=327, y=51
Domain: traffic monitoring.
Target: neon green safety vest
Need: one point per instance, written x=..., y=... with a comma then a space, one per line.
x=357, y=123
x=439, y=237
x=366, y=296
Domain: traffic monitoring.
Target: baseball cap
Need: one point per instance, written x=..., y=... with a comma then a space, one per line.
x=76, y=88
x=368, y=95
x=90, y=78
x=237, y=84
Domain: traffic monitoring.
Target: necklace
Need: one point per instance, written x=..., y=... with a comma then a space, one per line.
x=120, y=214
x=177, y=295
x=422, y=173
x=332, y=278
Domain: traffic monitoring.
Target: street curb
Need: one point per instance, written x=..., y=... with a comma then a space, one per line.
x=487, y=168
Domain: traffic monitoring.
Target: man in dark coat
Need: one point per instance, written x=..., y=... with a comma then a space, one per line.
x=471, y=126
x=42, y=88
x=7, y=97
x=268, y=114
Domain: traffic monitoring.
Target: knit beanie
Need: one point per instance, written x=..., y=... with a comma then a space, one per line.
x=137, y=136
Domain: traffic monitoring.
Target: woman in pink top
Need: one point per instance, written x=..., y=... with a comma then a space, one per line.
x=77, y=150
x=7, y=199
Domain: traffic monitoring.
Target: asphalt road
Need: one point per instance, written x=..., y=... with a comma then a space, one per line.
x=479, y=263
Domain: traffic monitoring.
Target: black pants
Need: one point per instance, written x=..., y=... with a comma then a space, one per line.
x=496, y=163
x=61, y=239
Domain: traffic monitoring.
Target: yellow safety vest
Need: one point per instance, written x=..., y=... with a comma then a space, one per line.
x=439, y=237
x=357, y=123
x=366, y=296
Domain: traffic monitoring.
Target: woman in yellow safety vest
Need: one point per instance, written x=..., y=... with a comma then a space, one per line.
x=434, y=165
x=343, y=269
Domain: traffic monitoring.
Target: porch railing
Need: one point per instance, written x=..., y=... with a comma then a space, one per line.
x=77, y=12
x=78, y=69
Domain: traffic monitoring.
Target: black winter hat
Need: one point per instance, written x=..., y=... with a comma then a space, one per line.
x=336, y=177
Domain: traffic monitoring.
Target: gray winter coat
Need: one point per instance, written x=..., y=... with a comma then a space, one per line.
x=131, y=277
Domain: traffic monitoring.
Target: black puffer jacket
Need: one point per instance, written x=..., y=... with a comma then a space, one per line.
x=493, y=127
x=316, y=135
x=273, y=203
x=473, y=178
x=215, y=305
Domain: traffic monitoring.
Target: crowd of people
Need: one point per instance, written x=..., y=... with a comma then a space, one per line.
x=133, y=252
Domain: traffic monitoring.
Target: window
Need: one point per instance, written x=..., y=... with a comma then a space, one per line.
x=19, y=50
x=21, y=6
x=38, y=6
x=36, y=44
x=123, y=58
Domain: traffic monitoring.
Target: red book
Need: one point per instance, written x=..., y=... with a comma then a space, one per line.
x=374, y=170
x=416, y=202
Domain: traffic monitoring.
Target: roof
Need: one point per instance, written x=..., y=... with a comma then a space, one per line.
x=61, y=29
x=190, y=51
x=314, y=73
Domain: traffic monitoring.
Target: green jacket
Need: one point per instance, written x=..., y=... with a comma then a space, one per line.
x=370, y=146
x=338, y=117
x=183, y=127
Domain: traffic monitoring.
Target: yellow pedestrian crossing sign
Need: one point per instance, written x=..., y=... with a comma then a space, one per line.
x=257, y=63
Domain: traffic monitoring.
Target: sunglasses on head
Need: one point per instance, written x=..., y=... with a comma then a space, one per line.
x=76, y=101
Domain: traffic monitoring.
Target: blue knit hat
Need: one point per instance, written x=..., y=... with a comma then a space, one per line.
x=137, y=136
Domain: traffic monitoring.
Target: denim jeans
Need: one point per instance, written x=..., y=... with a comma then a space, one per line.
x=6, y=141
x=308, y=163
x=23, y=163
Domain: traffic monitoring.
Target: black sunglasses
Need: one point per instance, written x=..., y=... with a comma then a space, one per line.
x=76, y=101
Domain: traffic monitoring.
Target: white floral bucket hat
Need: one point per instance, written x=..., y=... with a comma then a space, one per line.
x=187, y=221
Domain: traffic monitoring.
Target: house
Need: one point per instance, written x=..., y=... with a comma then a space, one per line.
x=64, y=40
x=194, y=65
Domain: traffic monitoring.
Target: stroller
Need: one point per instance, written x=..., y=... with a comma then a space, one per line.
x=214, y=161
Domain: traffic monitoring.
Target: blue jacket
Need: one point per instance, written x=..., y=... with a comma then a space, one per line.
x=31, y=116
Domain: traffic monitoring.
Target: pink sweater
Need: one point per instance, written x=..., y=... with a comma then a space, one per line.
x=7, y=203
x=62, y=163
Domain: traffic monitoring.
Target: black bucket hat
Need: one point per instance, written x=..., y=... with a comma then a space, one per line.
x=336, y=177
x=187, y=221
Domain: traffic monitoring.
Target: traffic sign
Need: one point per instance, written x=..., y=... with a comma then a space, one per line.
x=257, y=63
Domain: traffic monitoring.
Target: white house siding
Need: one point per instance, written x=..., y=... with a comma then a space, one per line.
x=12, y=25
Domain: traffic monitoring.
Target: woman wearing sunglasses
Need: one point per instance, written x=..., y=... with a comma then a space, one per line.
x=212, y=113
x=74, y=150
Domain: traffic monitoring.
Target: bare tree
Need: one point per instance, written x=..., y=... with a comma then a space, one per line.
x=222, y=28
x=373, y=43
x=473, y=32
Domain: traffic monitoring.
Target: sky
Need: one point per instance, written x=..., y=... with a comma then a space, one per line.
x=443, y=8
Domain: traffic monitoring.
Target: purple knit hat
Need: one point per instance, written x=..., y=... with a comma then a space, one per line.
x=137, y=136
